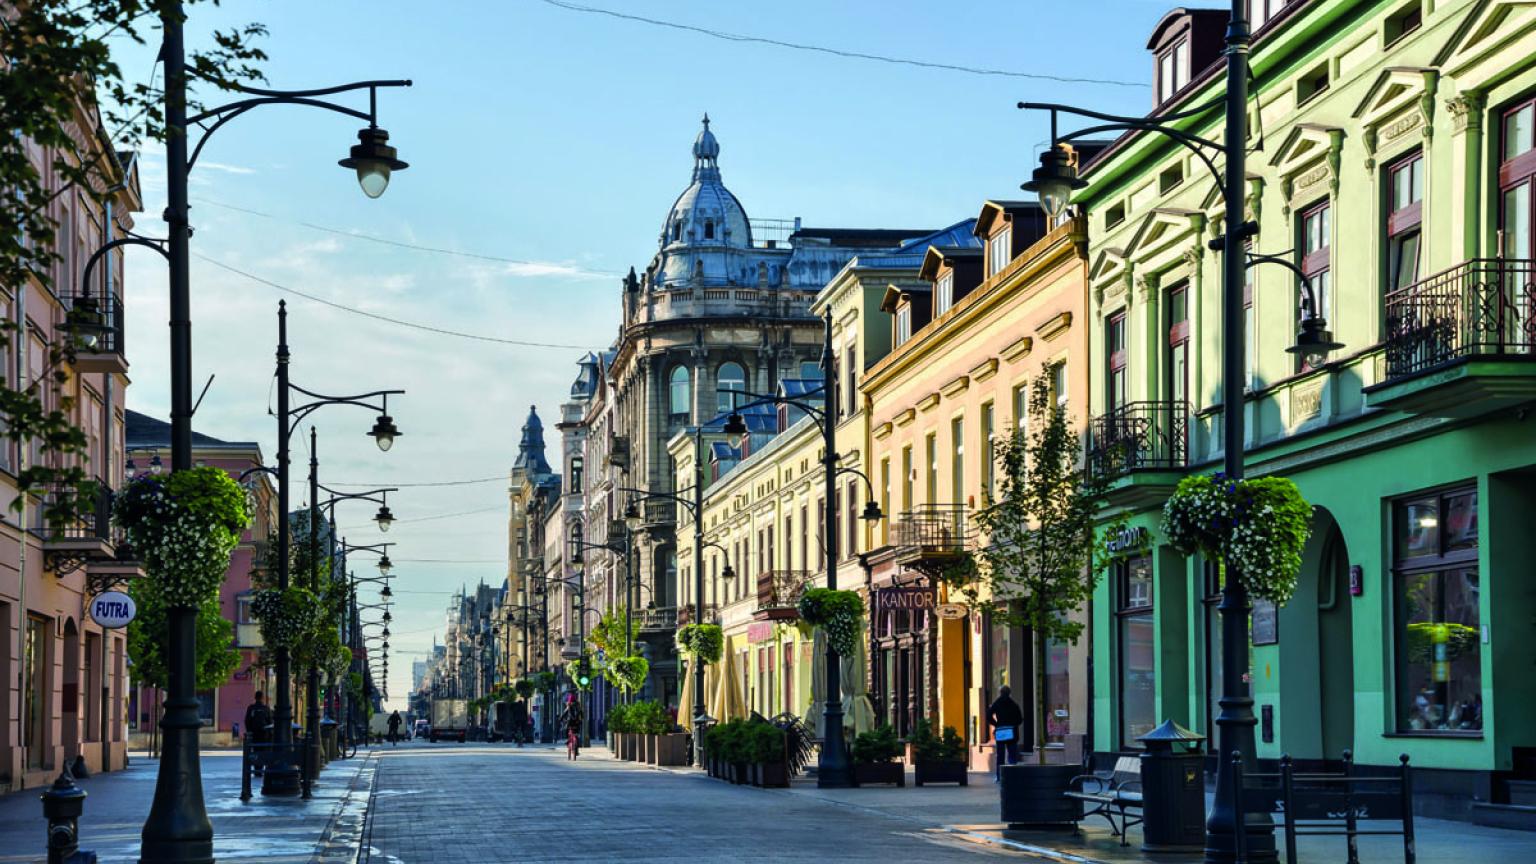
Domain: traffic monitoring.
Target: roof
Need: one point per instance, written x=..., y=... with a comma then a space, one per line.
x=142, y=430
x=960, y=235
x=879, y=237
x=794, y=388
x=936, y=255
x=993, y=208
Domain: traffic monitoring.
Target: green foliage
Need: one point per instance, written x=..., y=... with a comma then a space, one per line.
x=930, y=747
x=579, y=670
x=704, y=641
x=840, y=613
x=545, y=681
x=627, y=673
x=649, y=718
x=1257, y=528
x=59, y=56
x=765, y=742
x=609, y=636
x=217, y=657
x=876, y=746
x=183, y=528
x=728, y=741
x=524, y=688
x=618, y=719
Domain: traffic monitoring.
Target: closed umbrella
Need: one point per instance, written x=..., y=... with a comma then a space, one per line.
x=729, y=703
x=858, y=712
x=813, y=716
x=685, y=698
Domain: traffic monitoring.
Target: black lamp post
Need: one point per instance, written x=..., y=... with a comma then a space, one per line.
x=282, y=777
x=177, y=828
x=382, y=519
x=832, y=767
x=1054, y=182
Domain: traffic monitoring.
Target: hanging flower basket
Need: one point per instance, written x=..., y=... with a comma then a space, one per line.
x=702, y=641
x=524, y=688
x=627, y=673
x=545, y=681
x=183, y=528
x=1257, y=528
x=839, y=613
x=285, y=616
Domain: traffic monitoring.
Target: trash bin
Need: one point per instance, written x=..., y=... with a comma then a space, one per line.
x=328, y=739
x=1172, y=790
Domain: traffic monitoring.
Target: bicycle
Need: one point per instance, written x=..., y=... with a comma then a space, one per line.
x=348, y=747
x=572, y=745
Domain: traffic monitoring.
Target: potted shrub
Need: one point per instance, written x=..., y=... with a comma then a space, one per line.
x=874, y=756
x=937, y=758
x=1037, y=568
x=649, y=720
x=769, y=767
x=736, y=751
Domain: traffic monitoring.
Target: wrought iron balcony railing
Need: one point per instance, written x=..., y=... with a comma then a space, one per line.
x=685, y=614
x=779, y=592
x=660, y=513
x=935, y=528
x=1140, y=436
x=1485, y=307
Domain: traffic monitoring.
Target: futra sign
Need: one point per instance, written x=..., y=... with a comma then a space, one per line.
x=112, y=609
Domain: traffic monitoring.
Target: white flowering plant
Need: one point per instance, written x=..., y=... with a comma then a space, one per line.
x=839, y=613
x=1256, y=528
x=183, y=528
x=703, y=641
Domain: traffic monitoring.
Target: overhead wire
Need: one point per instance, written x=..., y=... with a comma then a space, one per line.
x=421, y=485
x=839, y=52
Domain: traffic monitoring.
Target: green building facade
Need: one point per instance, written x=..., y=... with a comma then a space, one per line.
x=1391, y=156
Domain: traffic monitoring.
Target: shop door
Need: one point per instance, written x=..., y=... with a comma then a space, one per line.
x=1336, y=648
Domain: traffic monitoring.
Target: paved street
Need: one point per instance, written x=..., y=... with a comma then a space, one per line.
x=452, y=803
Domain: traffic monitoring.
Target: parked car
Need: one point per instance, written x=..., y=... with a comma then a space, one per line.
x=422, y=729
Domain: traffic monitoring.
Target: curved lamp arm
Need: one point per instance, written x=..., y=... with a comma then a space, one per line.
x=261, y=96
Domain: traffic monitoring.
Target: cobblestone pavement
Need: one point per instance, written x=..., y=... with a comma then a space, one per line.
x=325, y=829
x=446, y=803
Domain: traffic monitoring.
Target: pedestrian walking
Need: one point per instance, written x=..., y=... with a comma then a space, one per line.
x=570, y=720
x=1005, y=717
x=394, y=729
x=258, y=728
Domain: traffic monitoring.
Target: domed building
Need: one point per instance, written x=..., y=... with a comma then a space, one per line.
x=724, y=305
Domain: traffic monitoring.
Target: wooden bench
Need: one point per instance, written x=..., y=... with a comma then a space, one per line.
x=1113, y=795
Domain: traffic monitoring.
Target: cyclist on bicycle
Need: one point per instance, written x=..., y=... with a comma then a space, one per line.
x=571, y=720
x=394, y=729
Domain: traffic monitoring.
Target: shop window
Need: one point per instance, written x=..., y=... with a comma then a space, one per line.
x=1138, y=664
x=1058, y=691
x=1405, y=207
x=1436, y=597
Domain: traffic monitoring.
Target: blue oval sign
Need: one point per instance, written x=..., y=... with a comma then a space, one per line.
x=112, y=609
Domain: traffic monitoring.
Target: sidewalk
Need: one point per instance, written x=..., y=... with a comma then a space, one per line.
x=326, y=828
x=972, y=812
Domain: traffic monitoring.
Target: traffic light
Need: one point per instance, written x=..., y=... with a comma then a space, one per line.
x=584, y=673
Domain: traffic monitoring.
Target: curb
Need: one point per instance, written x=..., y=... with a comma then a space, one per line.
x=342, y=840
x=1017, y=846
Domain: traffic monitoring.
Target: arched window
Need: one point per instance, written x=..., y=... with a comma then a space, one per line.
x=730, y=377
x=680, y=393
x=575, y=474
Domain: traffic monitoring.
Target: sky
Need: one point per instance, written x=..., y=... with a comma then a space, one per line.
x=546, y=146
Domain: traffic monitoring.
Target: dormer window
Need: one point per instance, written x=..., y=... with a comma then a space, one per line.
x=1172, y=70
x=709, y=229
x=903, y=324
x=944, y=293
x=998, y=249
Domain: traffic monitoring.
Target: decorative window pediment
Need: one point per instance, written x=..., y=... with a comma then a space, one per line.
x=1487, y=30
x=1398, y=105
x=1109, y=267
x=1306, y=160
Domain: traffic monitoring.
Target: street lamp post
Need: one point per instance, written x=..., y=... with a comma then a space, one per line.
x=1054, y=181
x=177, y=827
x=282, y=777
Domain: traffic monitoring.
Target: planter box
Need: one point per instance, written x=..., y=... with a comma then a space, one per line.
x=741, y=773
x=672, y=749
x=875, y=773
x=1034, y=795
x=772, y=775
x=629, y=743
x=653, y=749
x=941, y=772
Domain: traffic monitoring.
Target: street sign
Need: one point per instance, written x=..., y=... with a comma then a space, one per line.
x=112, y=609
x=951, y=611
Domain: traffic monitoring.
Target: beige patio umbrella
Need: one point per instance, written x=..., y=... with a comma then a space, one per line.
x=685, y=697
x=813, y=713
x=729, y=703
x=858, y=712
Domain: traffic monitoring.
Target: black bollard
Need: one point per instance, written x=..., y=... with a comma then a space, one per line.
x=63, y=802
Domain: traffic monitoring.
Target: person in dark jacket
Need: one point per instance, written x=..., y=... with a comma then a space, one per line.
x=1005, y=718
x=258, y=728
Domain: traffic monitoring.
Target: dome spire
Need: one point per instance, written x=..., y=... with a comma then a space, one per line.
x=706, y=150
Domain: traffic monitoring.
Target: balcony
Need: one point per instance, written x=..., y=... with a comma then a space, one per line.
x=662, y=619
x=1142, y=448
x=618, y=452
x=931, y=537
x=76, y=542
x=661, y=514
x=107, y=354
x=1461, y=342
x=779, y=592
x=685, y=614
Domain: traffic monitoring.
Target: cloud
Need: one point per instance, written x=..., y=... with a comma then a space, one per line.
x=225, y=167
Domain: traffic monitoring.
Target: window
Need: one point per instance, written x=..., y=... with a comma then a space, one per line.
x=943, y=293
x=680, y=396
x=903, y=323
x=1436, y=594
x=1312, y=83
x=1517, y=170
x=1405, y=185
x=906, y=478
x=1114, y=215
x=1021, y=410
x=1250, y=331
x=957, y=460
x=731, y=378
x=988, y=453
x=1260, y=11
x=805, y=542
x=1170, y=178
x=709, y=229
x=999, y=249
x=677, y=229
x=851, y=367
x=1316, y=228
x=1177, y=361
x=931, y=482
x=851, y=519
x=1403, y=22
x=1138, y=663
x=575, y=475
x=1059, y=385
x=885, y=499
x=1115, y=384
x=1172, y=70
